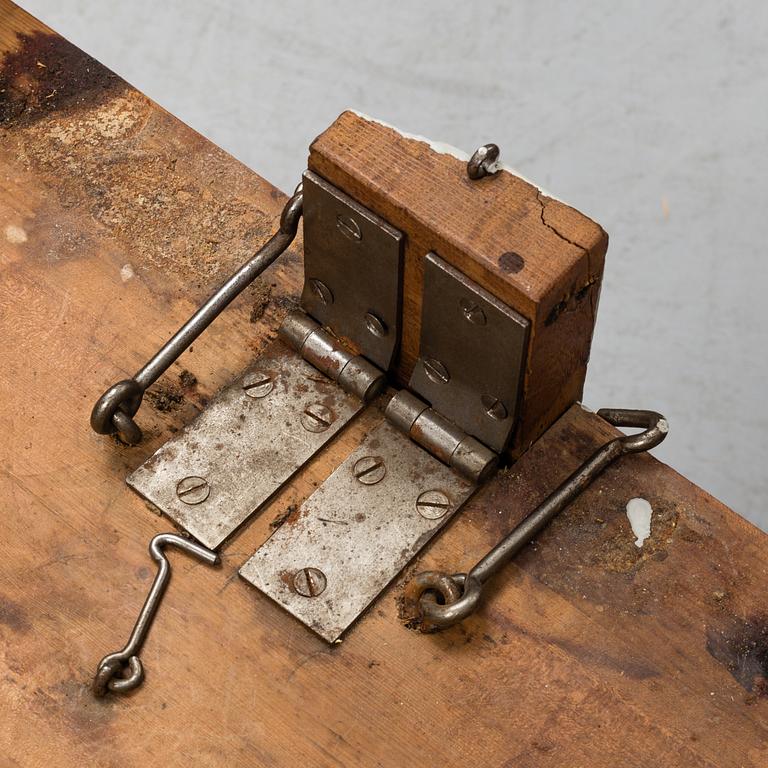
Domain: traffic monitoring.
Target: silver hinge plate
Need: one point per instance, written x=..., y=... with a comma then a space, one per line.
x=246, y=444
x=471, y=355
x=334, y=556
x=353, y=267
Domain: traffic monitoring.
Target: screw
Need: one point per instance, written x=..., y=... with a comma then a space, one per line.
x=321, y=290
x=348, y=227
x=369, y=470
x=257, y=384
x=436, y=371
x=309, y=582
x=376, y=325
x=494, y=407
x=433, y=504
x=193, y=489
x=316, y=418
x=472, y=311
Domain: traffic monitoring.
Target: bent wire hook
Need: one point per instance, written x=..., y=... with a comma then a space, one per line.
x=109, y=674
x=461, y=592
x=115, y=409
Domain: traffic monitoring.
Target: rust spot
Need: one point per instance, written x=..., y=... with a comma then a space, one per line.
x=280, y=519
x=13, y=616
x=511, y=262
x=187, y=379
x=741, y=646
x=47, y=74
x=165, y=398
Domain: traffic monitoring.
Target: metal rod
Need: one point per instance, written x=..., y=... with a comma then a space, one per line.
x=422, y=590
x=109, y=674
x=115, y=409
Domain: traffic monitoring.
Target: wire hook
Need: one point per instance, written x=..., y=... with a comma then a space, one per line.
x=115, y=409
x=110, y=674
x=421, y=594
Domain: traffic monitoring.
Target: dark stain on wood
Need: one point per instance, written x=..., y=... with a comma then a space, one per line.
x=47, y=74
x=13, y=616
x=741, y=646
x=511, y=262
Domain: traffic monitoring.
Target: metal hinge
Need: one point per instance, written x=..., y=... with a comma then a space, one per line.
x=414, y=471
x=439, y=438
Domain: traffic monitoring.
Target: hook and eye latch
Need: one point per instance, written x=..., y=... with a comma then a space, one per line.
x=123, y=671
x=436, y=599
x=114, y=411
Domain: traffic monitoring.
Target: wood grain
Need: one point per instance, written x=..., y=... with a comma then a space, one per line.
x=114, y=220
x=540, y=256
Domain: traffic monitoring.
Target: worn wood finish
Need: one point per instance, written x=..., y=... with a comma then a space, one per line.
x=114, y=220
x=540, y=256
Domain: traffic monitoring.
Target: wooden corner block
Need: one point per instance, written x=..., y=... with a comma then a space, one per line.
x=539, y=256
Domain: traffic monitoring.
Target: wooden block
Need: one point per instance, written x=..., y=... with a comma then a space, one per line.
x=541, y=257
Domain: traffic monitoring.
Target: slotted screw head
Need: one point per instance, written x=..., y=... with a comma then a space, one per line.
x=349, y=227
x=370, y=470
x=494, y=407
x=193, y=489
x=376, y=325
x=321, y=290
x=433, y=504
x=472, y=311
x=257, y=384
x=436, y=371
x=309, y=582
x=317, y=418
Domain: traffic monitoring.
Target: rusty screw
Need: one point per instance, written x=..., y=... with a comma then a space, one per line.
x=309, y=582
x=321, y=290
x=316, y=418
x=472, y=312
x=494, y=407
x=376, y=325
x=257, y=384
x=193, y=489
x=370, y=470
x=433, y=504
x=436, y=371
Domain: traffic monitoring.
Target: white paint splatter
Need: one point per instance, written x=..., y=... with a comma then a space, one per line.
x=447, y=149
x=126, y=273
x=15, y=235
x=639, y=512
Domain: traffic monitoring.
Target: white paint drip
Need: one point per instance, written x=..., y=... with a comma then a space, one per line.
x=448, y=149
x=639, y=512
x=126, y=273
x=15, y=235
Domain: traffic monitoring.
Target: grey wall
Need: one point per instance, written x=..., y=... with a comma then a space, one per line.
x=650, y=117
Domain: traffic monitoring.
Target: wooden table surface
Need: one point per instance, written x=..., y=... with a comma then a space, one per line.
x=115, y=219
